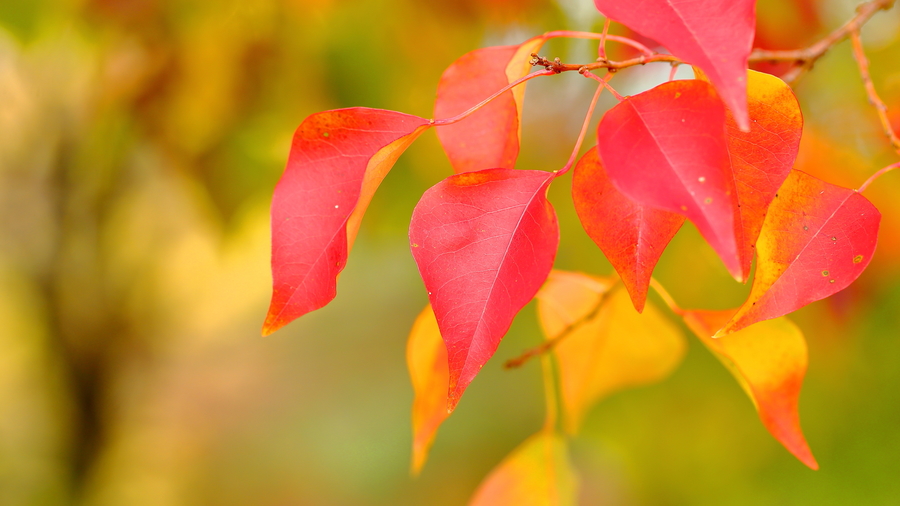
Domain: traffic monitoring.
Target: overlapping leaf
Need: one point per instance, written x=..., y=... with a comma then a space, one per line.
x=762, y=157
x=537, y=473
x=769, y=361
x=715, y=35
x=484, y=243
x=337, y=160
x=667, y=148
x=631, y=235
x=426, y=359
x=608, y=346
x=817, y=239
x=490, y=136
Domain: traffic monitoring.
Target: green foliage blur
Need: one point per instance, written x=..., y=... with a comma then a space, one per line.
x=140, y=142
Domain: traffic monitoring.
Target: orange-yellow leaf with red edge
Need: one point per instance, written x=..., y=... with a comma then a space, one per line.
x=537, y=473
x=609, y=346
x=769, y=361
x=489, y=137
x=817, y=239
x=762, y=157
x=426, y=359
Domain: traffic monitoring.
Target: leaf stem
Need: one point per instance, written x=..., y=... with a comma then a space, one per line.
x=876, y=175
x=664, y=295
x=599, y=36
x=464, y=115
x=585, y=125
x=601, y=50
x=863, y=64
x=604, y=82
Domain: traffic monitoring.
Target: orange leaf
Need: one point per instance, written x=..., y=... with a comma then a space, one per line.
x=769, y=361
x=610, y=346
x=537, y=473
x=426, y=358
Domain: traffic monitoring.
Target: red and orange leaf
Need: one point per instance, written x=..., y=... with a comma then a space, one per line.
x=337, y=160
x=769, y=361
x=537, y=473
x=631, y=235
x=490, y=136
x=609, y=346
x=667, y=148
x=762, y=157
x=715, y=35
x=426, y=359
x=484, y=243
x=816, y=240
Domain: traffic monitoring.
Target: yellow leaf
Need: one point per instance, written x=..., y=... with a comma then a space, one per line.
x=426, y=358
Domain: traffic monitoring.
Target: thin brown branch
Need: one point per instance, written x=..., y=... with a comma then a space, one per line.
x=805, y=58
x=874, y=99
x=558, y=67
x=549, y=344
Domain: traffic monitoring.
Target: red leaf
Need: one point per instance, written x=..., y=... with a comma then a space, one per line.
x=769, y=361
x=715, y=35
x=337, y=160
x=632, y=236
x=490, y=136
x=426, y=359
x=484, y=243
x=761, y=159
x=667, y=148
x=537, y=473
x=816, y=240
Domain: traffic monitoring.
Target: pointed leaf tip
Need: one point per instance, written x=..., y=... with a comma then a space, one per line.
x=769, y=360
x=484, y=242
x=337, y=160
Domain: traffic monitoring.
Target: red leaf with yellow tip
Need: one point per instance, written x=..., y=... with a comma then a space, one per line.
x=631, y=235
x=715, y=35
x=667, y=148
x=484, y=243
x=608, y=346
x=817, y=239
x=426, y=359
x=337, y=160
x=762, y=157
x=537, y=473
x=490, y=136
x=769, y=361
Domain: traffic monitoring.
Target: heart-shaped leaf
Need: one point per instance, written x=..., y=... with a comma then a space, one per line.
x=769, y=361
x=667, y=148
x=817, y=239
x=715, y=35
x=490, y=136
x=631, y=235
x=337, y=160
x=484, y=243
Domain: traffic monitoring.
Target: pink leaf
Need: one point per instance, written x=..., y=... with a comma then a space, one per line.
x=338, y=159
x=715, y=35
x=490, y=136
x=631, y=235
x=667, y=148
x=484, y=243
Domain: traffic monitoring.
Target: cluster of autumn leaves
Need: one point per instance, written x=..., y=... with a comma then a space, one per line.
x=717, y=150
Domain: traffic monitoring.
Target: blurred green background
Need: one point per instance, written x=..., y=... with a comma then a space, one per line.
x=139, y=144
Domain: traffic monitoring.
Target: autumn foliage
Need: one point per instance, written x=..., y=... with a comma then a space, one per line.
x=717, y=150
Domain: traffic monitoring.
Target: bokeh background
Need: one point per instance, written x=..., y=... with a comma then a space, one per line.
x=140, y=141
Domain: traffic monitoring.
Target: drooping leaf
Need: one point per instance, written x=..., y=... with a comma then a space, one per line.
x=537, y=473
x=817, y=239
x=337, y=160
x=609, y=346
x=490, y=136
x=631, y=235
x=667, y=148
x=769, y=361
x=762, y=157
x=484, y=242
x=426, y=359
x=715, y=35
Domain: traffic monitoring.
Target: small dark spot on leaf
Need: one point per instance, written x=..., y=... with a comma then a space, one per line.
x=326, y=134
x=805, y=227
x=833, y=238
x=824, y=273
x=857, y=259
x=831, y=281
